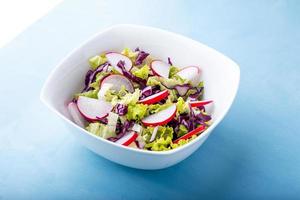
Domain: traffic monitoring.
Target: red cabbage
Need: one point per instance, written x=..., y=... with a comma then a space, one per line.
x=130, y=76
x=141, y=57
x=148, y=91
x=124, y=129
x=121, y=109
x=91, y=76
x=169, y=61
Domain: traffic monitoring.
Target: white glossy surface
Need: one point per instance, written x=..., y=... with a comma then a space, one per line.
x=220, y=74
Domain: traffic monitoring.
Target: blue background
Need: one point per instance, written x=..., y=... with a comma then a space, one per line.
x=254, y=153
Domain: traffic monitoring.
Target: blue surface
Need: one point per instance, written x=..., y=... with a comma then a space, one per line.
x=252, y=154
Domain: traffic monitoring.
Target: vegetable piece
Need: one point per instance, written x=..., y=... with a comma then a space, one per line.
x=92, y=109
x=200, y=103
x=128, y=138
x=161, y=117
x=196, y=131
x=160, y=68
x=117, y=81
x=191, y=73
x=75, y=114
x=104, y=88
x=114, y=58
x=153, y=136
x=141, y=57
x=155, y=97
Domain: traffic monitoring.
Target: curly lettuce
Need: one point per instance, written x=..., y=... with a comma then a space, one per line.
x=163, y=139
x=96, y=61
x=143, y=72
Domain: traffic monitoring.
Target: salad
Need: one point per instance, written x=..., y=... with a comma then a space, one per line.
x=135, y=100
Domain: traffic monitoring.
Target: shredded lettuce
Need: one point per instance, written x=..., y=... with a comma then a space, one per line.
x=130, y=54
x=100, y=130
x=90, y=94
x=142, y=72
x=96, y=61
x=136, y=111
x=181, y=106
x=181, y=131
x=163, y=138
x=173, y=71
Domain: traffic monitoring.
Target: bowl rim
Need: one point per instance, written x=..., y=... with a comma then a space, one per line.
x=146, y=28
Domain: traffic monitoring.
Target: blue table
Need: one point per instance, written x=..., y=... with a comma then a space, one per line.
x=254, y=153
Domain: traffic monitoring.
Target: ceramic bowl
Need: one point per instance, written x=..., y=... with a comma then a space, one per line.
x=220, y=74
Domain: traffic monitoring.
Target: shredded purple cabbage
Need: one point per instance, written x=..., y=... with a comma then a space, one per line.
x=169, y=61
x=137, y=49
x=125, y=128
x=121, y=109
x=121, y=65
x=148, y=91
x=142, y=55
x=91, y=76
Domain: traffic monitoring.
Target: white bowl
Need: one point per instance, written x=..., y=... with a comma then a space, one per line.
x=220, y=74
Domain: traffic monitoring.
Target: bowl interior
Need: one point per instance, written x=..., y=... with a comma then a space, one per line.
x=220, y=74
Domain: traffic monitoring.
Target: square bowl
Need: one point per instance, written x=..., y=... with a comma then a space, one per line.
x=220, y=75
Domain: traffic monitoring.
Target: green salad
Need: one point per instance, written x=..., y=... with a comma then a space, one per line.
x=133, y=99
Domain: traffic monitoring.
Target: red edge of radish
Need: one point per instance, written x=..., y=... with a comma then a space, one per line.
x=75, y=114
x=196, y=131
x=155, y=97
x=161, y=117
x=128, y=138
x=93, y=109
x=117, y=80
x=200, y=103
x=160, y=68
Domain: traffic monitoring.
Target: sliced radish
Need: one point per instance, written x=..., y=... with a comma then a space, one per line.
x=75, y=114
x=196, y=131
x=117, y=81
x=133, y=145
x=128, y=138
x=160, y=68
x=92, y=109
x=153, y=136
x=114, y=58
x=104, y=88
x=191, y=73
x=200, y=103
x=155, y=97
x=161, y=117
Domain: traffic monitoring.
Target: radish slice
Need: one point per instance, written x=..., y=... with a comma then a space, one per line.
x=161, y=117
x=191, y=73
x=117, y=81
x=196, y=131
x=92, y=109
x=114, y=58
x=128, y=138
x=200, y=103
x=133, y=145
x=160, y=68
x=155, y=97
x=153, y=136
x=75, y=114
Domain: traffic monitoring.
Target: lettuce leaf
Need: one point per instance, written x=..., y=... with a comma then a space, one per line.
x=130, y=54
x=163, y=138
x=136, y=111
x=182, y=106
x=97, y=60
x=142, y=72
x=100, y=130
